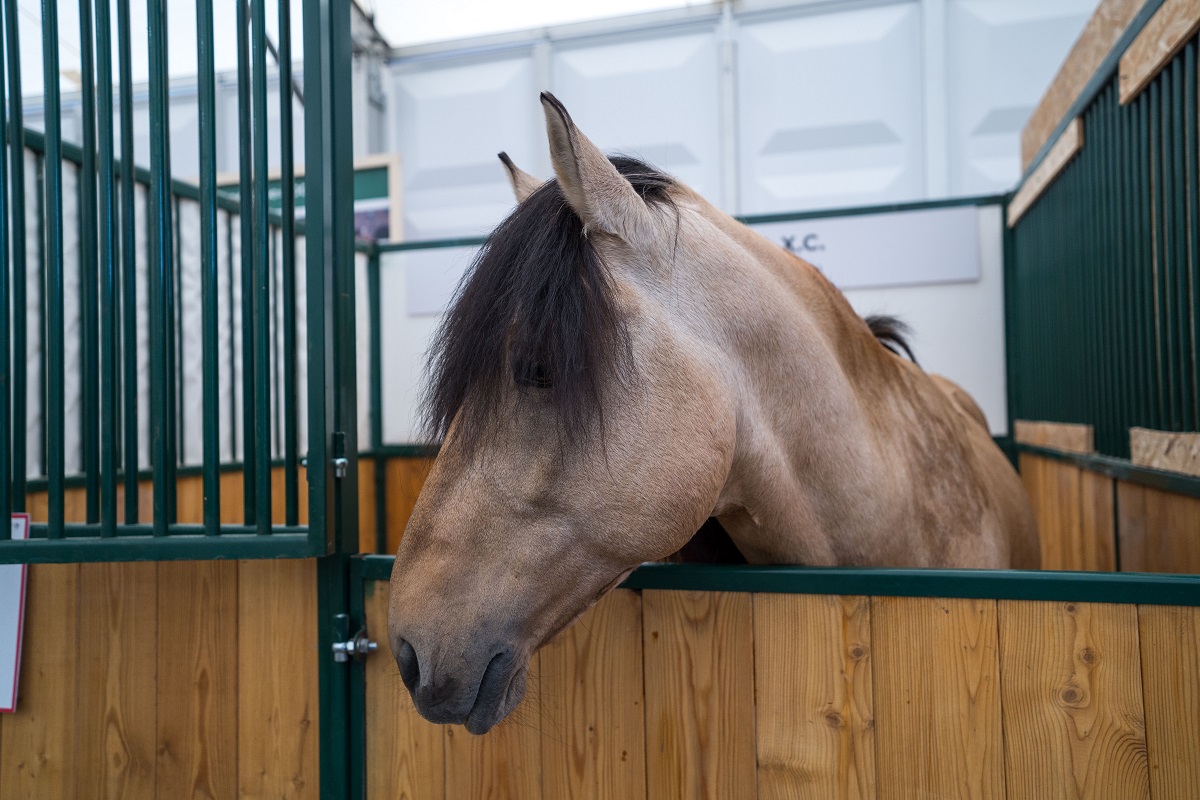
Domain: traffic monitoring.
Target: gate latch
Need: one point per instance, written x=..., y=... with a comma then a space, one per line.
x=357, y=647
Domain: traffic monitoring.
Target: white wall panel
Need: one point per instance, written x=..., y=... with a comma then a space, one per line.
x=829, y=109
x=1002, y=54
x=451, y=119
x=651, y=98
x=406, y=339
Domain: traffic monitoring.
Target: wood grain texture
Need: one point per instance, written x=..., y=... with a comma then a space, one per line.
x=366, y=506
x=1072, y=699
x=197, y=679
x=1168, y=30
x=1066, y=436
x=404, y=752
x=1175, y=452
x=1102, y=31
x=937, y=698
x=117, y=713
x=277, y=679
x=1160, y=531
x=503, y=764
x=1074, y=512
x=699, y=679
x=816, y=722
x=1170, y=650
x=593, y=718
x=1097, y=540
x=37, y=744
x=405, y=477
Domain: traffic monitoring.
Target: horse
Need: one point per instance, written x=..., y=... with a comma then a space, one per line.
x=624, y=361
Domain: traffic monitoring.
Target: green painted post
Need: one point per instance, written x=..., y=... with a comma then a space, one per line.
x=20, y=341
x=108, y=367
x=128, y=266
x=87, y=267
x=288, y=243
x=260, y=329
x=205, y=71
x=53, y=413
x=245, y=210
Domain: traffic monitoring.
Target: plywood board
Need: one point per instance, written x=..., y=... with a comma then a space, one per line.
x=1170, y=651
x=937, y=698
x=1102, y=31
x=37, y=743
x=1174, y=452
x=197, y=678
x=117, y=711
x=404, y=752
x=277, y=679
x=1068, y=437
x=1168, y=30
x=699, y=677
x=1072, y=700
x=816, y=722
x=593, y=718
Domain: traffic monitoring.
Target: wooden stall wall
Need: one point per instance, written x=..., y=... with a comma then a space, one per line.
x=727, y=695
x=166, y=679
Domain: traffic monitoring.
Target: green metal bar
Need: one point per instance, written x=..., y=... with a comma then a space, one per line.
x=246, y=171
x=128, y=266
x=374, y=307
x=261, y=324
x=53, y=410
x=171, y=318
x=175, y=351
x=1144, y=276
x=1182, y=332
x=20, y=339
x=108, y=366
x=1167, y=268
x=358, y=681
x=184, y=542
x=206, y=75
x=43, y=357
x=87, y=267
x=291, y=474
x=1161, y=417
x=6, y=426
x=1192, y=155
x=161, y=433
x=232, y=354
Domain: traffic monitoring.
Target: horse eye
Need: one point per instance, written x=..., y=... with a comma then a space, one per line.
x=533, y=374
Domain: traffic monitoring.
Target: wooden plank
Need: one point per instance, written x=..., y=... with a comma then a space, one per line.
x=1131, y=516
x=277, y=678
x=1102, y=31
x=1098, y=543
x=1176, y=452
x=405, y=477
x=1160, y=531
x=197, y=678
x=699, y=694
x=1170, y=650
x=37, y=743
x=593, y=718
x=1068, y=437
x=366, y=506
x=1072, y=699
x=1168, y=30
x=404, y=752
x=1066, y=147
x=116, y=712
x=937, y=698
x=503, y=764
x=816, y=723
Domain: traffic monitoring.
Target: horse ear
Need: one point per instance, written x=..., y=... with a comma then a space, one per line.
x=523, y=184
x=600, y=195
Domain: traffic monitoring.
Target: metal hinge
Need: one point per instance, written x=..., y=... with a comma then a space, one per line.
x=340, y=462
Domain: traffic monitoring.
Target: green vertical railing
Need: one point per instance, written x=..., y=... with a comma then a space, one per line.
x=1105, y=283
x=124, y=286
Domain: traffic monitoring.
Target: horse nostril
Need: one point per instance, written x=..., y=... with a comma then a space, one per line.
x=410, y=669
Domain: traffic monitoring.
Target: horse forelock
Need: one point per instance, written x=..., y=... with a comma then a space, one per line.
x=537, y=308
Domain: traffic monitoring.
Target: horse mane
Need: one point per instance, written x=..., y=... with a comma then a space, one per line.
x=892, y=333
x=536, y=308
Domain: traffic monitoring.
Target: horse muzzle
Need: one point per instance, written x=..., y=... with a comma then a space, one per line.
x=477, y=698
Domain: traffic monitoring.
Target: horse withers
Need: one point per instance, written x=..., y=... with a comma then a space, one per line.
x=624, y=361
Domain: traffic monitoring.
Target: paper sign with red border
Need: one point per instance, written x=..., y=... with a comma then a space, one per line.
x=12, y=619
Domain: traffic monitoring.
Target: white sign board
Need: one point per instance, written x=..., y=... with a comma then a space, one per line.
x=892, y=248
x=12, y=619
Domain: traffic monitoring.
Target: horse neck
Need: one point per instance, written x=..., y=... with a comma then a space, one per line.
x=816, y=392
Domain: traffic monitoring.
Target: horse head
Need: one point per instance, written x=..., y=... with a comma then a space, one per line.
x=584, y=431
